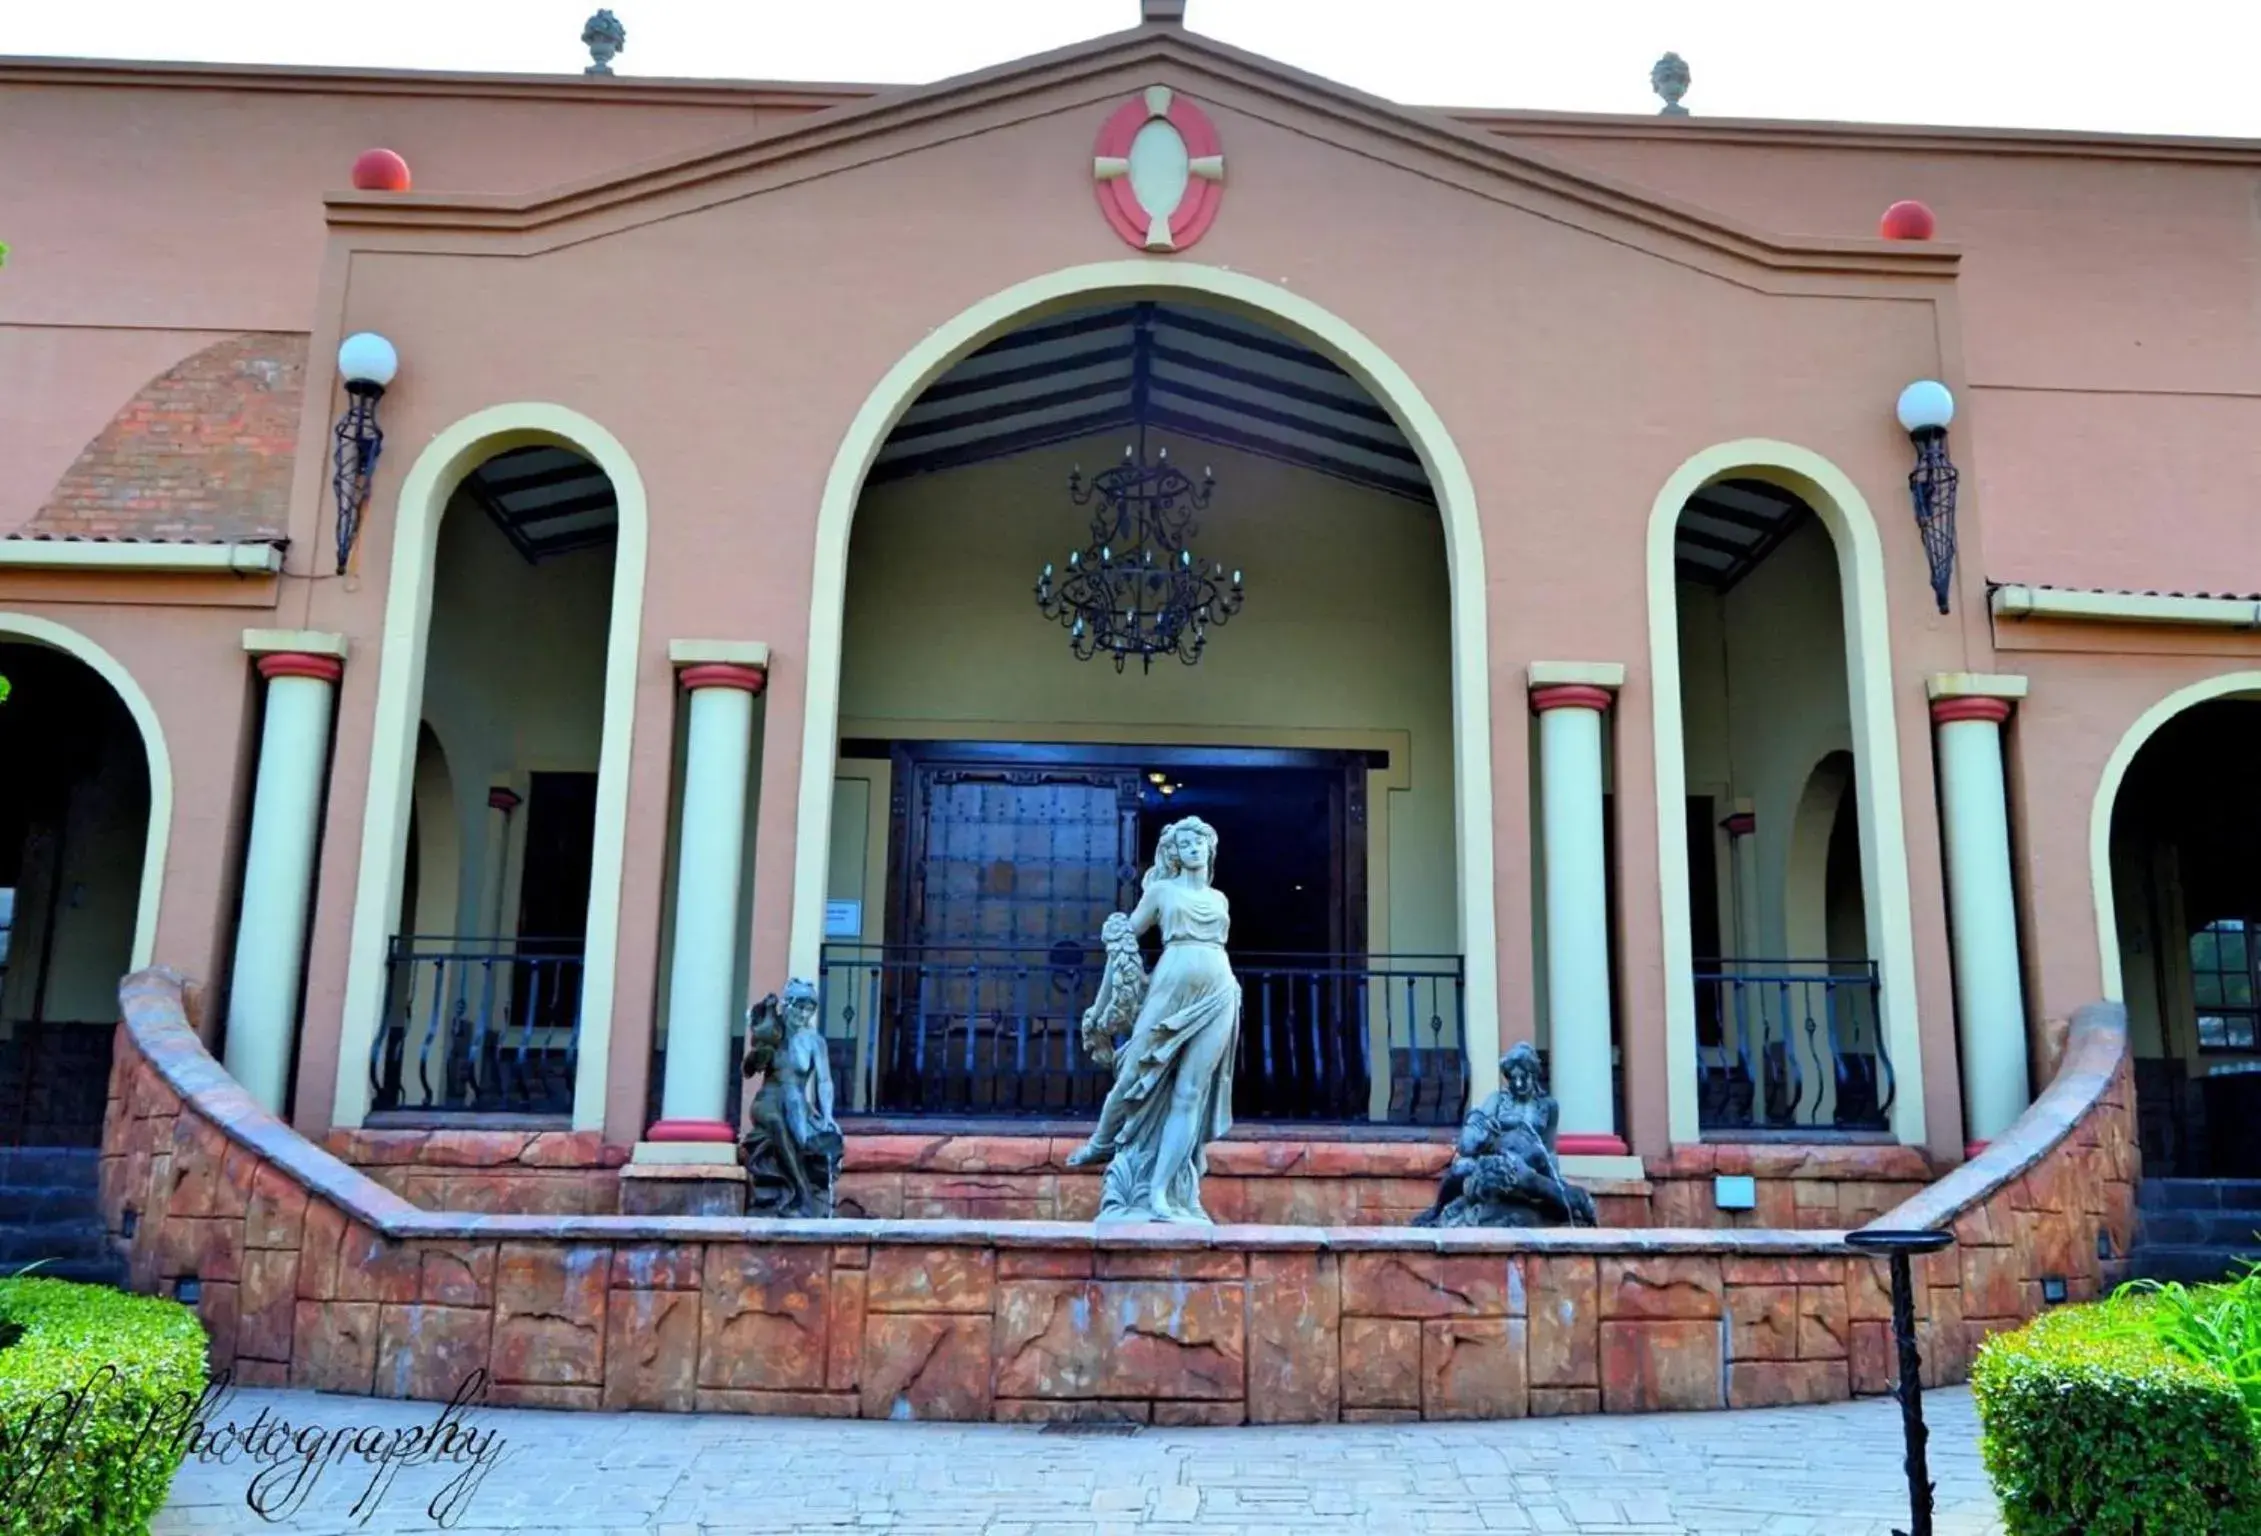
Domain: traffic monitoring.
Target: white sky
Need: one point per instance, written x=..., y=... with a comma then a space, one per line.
x=2164, y=66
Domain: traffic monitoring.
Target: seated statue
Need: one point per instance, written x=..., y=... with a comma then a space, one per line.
x=790, y=1144
x=1504, y=1172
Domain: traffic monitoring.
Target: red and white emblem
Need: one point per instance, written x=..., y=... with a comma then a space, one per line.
x=1160, y=171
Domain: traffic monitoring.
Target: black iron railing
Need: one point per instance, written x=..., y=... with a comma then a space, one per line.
x=973, y=1030
x=478, y=1025
x=1791, y=1045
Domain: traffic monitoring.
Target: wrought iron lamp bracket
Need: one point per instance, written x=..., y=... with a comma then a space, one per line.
x=1931, y=484
x=359, y=440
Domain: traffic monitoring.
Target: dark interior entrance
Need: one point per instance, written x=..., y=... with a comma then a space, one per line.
x=74, y=813
x=1005, y=858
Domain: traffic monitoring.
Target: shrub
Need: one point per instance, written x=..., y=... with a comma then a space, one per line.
x=2092, y=1425
x=95, y=1389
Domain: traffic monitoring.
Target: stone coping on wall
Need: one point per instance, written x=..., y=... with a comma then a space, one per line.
x=312, y=1274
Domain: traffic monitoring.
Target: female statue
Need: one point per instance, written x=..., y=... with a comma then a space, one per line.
x=1173, y=1087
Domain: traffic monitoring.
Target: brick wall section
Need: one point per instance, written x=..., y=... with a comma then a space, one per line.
x=536, y=1173
x=202, y=453
x=315, y=1275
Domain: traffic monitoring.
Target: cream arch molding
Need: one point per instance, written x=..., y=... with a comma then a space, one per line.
x=1364, y=361
x=159, y=836
x=1876, y=751
x=424, y=495
x=2107, y=795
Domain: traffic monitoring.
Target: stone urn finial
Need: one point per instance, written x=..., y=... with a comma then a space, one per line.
x=604, y=37
x=1669, y=79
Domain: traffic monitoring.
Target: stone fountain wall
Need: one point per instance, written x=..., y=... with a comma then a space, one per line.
x=311, y=1273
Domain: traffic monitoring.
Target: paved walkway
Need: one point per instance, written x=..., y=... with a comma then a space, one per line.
x=1833, y=1470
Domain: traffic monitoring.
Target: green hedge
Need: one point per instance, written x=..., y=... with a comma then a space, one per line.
x=2093, y=1426
x=95, y=1389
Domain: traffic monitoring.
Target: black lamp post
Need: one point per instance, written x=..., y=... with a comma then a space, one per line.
x=366, y=363
x=1900, y=1248
x=1926, y=408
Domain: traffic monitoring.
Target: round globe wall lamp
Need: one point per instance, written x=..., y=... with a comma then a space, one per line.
x=366, y=364
x=1926, y=407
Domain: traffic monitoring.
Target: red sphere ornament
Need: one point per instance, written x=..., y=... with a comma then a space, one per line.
x=1908, y=220
x=380, y=170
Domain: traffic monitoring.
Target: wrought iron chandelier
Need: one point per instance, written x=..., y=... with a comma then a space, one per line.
x=1137, y=589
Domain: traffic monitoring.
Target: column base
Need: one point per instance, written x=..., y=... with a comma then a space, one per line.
x=1590, y=1144
x=1972, y=1149
x=721, y=1154
x=689, y=1189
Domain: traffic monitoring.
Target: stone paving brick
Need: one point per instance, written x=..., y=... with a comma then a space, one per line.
x=1832, y=1469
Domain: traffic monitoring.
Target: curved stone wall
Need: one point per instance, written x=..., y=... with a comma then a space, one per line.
x=310, y=1273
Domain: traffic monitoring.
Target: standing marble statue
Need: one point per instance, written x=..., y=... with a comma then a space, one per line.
x=1173, y=1089
x=790, y=1146
x=1504, y=1172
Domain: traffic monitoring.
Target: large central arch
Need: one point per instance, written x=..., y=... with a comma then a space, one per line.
x=1358, y=356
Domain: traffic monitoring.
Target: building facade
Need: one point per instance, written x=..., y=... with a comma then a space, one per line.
x=1594, y=684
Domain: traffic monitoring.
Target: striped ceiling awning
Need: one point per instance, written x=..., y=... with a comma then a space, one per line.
x=1728, y=527
x=1195, y=373
x=546, y=500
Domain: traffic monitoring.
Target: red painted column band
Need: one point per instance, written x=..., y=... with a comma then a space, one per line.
x=1590, y=1144
x=503, y=800
x=1741, y=824
x=326, y=669
x=1948, y=711
x=690, y=1130
x=1569, y=696
x=724, y=674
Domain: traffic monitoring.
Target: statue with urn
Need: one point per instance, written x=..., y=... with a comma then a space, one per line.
x=789, y=1144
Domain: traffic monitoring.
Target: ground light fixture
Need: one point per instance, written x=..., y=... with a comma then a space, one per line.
x=1926, y=408
x=1900, y=1247
x=366, y=364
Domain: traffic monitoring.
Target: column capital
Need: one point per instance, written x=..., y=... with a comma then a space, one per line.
x=1974, y=685
x=309, y=642
x=1969, y=707
x=1570, y=696
x=1740, y=824
x=733, y=653
x=274, y=664
x=1585, y=674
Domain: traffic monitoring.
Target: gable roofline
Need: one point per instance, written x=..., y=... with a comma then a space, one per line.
x=647, y=90
x=325, y=80
x=1921, y=138
x=1575, y=195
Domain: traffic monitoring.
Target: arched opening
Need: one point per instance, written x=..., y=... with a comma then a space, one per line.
x=1000, y=781
x=485, y=966
x=2185, y=872
x=1787, y=989
x=76, y=824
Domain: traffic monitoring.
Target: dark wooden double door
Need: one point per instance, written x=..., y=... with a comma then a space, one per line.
x=1007, y=858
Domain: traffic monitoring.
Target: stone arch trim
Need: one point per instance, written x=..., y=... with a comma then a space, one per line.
x=2131, y=742
x=202, y=453
x=1382, y=378
x=432, y=481
x=1876, y=756
x=158, y=837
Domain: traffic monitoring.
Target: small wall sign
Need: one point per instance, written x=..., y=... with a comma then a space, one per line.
x=843, y=919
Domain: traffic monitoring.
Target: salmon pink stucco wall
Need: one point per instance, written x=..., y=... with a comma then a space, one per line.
x=727, y=331
x=2111, y=342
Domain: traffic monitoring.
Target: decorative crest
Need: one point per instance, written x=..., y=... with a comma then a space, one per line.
x=1160, y=170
